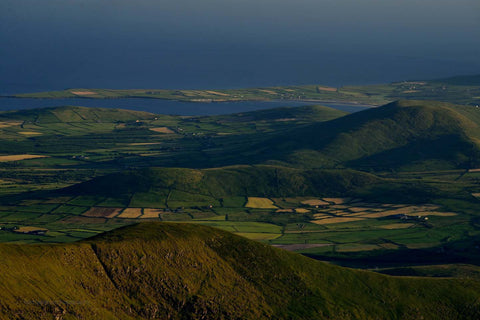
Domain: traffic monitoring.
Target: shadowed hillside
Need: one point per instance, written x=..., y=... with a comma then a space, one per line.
x=401, y=135
x=261, y=180
x=310, y=113
x=177, y=271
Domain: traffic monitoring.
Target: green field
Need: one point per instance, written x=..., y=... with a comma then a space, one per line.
x=460, y=90
x=165, y=265
x=398, y=181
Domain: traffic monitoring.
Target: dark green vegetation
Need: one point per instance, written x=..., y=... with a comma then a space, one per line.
x=394, y=189
x=404, y=175
x=402, y=136
x=181, y=271
x=460, y=90
x=383, y=187
x=76, y=135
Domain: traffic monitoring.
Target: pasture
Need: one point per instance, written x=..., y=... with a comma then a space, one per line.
x=325, y=227
x=40, y=176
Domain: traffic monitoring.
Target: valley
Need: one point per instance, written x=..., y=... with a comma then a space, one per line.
x=309, y=177
x=243, y=160
x=393, y=190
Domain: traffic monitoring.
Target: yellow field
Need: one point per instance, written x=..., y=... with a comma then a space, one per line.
x=18, y=157
x=343, y=213
x=285, y=211
x=102, y=212
x=315, y=202
x=397, y=226
x=301, y=210
x=359, y=214
x=130, y=213
x=327, y=89
x=338, y=200
x=30, y=133
x=267, y=91
x=336, y=220
x=410, y=210
x=426, y=207
x=150, y=213
x=151, y=154
x=83, y=93
x=378, y=214
x=435, y=213
x=189, y=93
x=260, y=203
x=4, y=124
x=340, y=206
x=218, y=93
x=321, y=216
x=29, y=229
x=162, y=130
x=358, y=209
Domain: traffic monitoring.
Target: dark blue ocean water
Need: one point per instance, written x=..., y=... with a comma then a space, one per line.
x=57, y=44
x=159, y=106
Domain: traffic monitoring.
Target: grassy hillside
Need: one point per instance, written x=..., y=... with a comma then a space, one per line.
x=401, y=136
x=303, y=197
x=74, y=114
x=83, y=142
x=311, y=113
x=182, y=271
x=268, y=181
x=308, y=113
x=341, y=215
x=404, y=135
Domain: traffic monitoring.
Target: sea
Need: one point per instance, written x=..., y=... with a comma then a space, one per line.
x=169, y=107
x=216, y=44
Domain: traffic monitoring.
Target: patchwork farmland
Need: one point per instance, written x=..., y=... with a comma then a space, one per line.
x=305, y=224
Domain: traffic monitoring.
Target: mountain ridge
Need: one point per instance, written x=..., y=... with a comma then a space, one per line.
x=354, y=140
x=178, y=271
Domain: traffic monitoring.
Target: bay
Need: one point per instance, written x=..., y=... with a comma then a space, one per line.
x=171, y=107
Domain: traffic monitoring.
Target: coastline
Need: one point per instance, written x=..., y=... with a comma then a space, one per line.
x=319, y=101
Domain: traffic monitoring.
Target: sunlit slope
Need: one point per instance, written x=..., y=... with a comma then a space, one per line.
x=401, y=135
x=177, y=271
